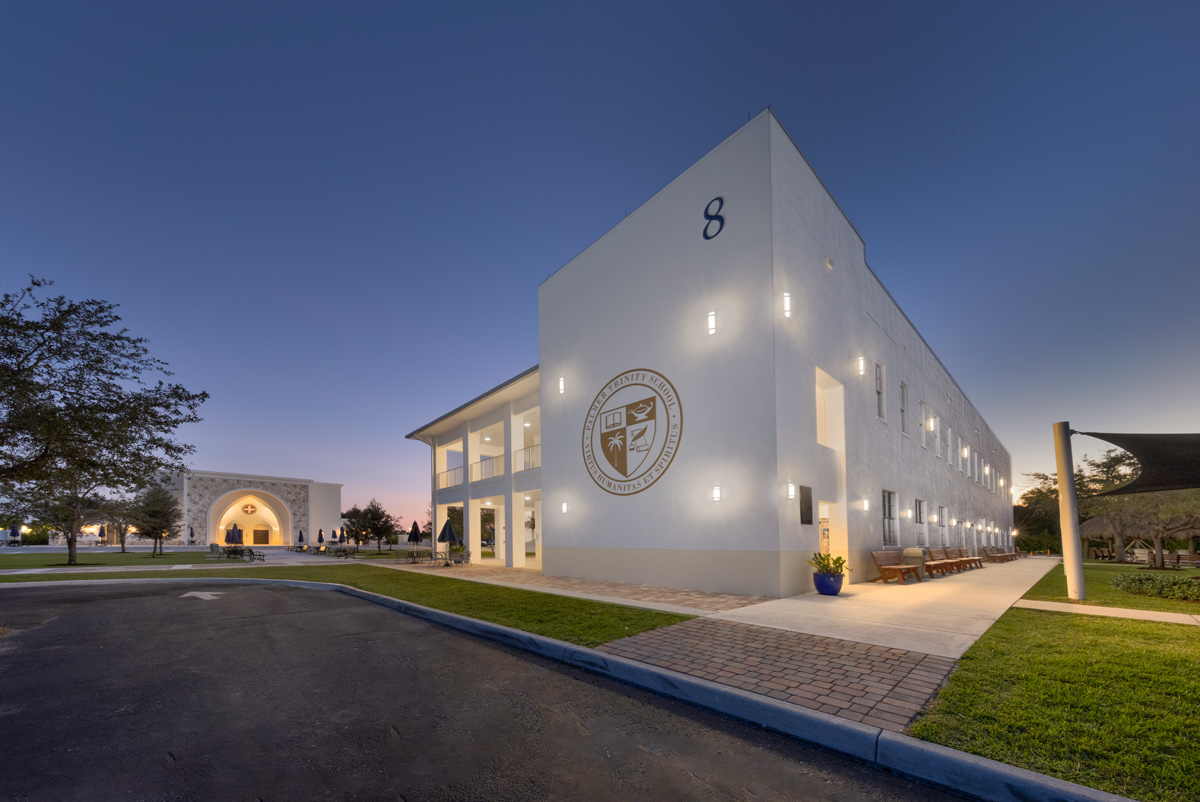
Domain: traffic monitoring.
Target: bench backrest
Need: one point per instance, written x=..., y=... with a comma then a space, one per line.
x=937, y=554
x=886, y=557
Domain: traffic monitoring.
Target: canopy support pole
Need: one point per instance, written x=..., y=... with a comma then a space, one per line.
x=1068, y=513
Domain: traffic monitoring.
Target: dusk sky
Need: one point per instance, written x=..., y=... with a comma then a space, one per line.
x=334, y=217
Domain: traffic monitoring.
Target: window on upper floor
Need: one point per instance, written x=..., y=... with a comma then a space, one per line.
x=903, y=408
x=889, y=517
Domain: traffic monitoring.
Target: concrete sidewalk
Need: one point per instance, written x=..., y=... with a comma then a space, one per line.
x=942, y=616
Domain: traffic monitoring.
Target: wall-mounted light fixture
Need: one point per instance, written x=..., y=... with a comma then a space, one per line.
x=787, y=304
x=562, y=385
x=866, y=505
x=712, y=322
x=1014, y=533
x=931, y=424
x=987, y=470
x=1002, y=481
x=487, y=439
x=564, y=508
x=527, y=424
x=908, y=513
x=860, y=365
x=933, y=518
x=529, y=498
x=966, y=451
x=829, y=264
x=954, y=522
x=487, y=503
x=716, y=492
x=791, y=491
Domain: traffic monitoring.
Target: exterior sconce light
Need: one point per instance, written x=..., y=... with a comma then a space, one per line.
x=527, y=424
x=712, y=322
x=716, y=492
x=564, y=508
x=933, y=518
x=529, y=498
x=987, y=470
x=791, y=491
x=966, y=451
x=487, y=439
x=487, y=503
x=954, y=522
x=866, y=505
x=562, y=385
x=931, y=424
x=1014, y=533
x=908, y=513
x=860, y=365
x=829, y=263
x=787, y=304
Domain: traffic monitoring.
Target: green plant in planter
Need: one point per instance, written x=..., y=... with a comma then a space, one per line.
x=828, y=564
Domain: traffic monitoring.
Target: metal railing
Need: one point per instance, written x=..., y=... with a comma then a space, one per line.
x=450, y=478
x=527, y=458
x=487, y=468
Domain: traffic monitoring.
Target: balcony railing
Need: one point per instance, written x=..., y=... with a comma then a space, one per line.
x=527, y=459
x=487, y=468
x=450, y=478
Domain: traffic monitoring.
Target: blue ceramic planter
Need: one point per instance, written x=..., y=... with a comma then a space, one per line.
x=828, y=584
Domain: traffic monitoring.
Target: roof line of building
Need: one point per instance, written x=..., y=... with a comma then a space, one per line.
x=413, y=434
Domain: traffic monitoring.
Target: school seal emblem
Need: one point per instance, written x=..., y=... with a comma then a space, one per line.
x=632, y=432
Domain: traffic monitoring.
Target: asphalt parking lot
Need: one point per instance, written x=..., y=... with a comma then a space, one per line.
x=140, y=692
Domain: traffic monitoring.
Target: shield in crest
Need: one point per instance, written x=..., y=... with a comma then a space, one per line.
x=627, y=433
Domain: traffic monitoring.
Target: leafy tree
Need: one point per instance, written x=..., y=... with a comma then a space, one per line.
x=1117, y=519
x=370, y=523
x=427, y=527
x=119, y=514
x=77, y=416
x=157, y=515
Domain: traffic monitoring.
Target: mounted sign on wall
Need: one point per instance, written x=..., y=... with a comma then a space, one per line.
x=631, y=432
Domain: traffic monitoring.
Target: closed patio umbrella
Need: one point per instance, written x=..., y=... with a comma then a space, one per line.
x=229, y=536
x=414, y=534
x=14, y=533
x=191, y=535
x=300, y=537
x=102, y=534
x=320, y=535
x=342, y=535
x=448, y=535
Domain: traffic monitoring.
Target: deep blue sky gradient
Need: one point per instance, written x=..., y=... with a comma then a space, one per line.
x=334, y=217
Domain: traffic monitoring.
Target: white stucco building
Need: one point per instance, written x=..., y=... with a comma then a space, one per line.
x=271, y=510
x=724, y=387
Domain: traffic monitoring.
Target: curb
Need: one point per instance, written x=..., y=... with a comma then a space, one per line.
x=985, y=779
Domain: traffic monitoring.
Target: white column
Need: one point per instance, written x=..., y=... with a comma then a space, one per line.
x=514, y=521
x=470, y=525
x=1068, y=512
x=434, y=518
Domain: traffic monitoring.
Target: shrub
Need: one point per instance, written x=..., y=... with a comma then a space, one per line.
x=1168, y=586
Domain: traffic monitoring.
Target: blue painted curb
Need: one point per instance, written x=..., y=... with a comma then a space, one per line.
x=980, y=777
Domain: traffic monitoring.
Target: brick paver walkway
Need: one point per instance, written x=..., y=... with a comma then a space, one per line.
x=696, y=599
x=876, y=685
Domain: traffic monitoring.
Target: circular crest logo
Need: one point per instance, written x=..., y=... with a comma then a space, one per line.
x=632, y=432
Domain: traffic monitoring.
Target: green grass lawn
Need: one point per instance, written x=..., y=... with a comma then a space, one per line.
x=59, y=559
x=1097, y=583
x=580, y=621
x=1108, y=703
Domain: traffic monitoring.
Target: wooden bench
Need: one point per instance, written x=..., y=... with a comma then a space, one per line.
x=965, y=556
x=994, y=555
x=889, y=565
x=939, y=560
x=347, y=552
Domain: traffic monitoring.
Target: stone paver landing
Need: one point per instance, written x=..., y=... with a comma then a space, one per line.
x=876, y=685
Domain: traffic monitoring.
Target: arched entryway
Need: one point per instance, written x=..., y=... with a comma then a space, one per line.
x=264, y=519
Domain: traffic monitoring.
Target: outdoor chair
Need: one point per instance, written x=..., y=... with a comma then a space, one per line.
x=251, y=555
x=460, y=558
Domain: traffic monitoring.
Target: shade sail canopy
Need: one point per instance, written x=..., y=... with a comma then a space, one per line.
x=1168, y=461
